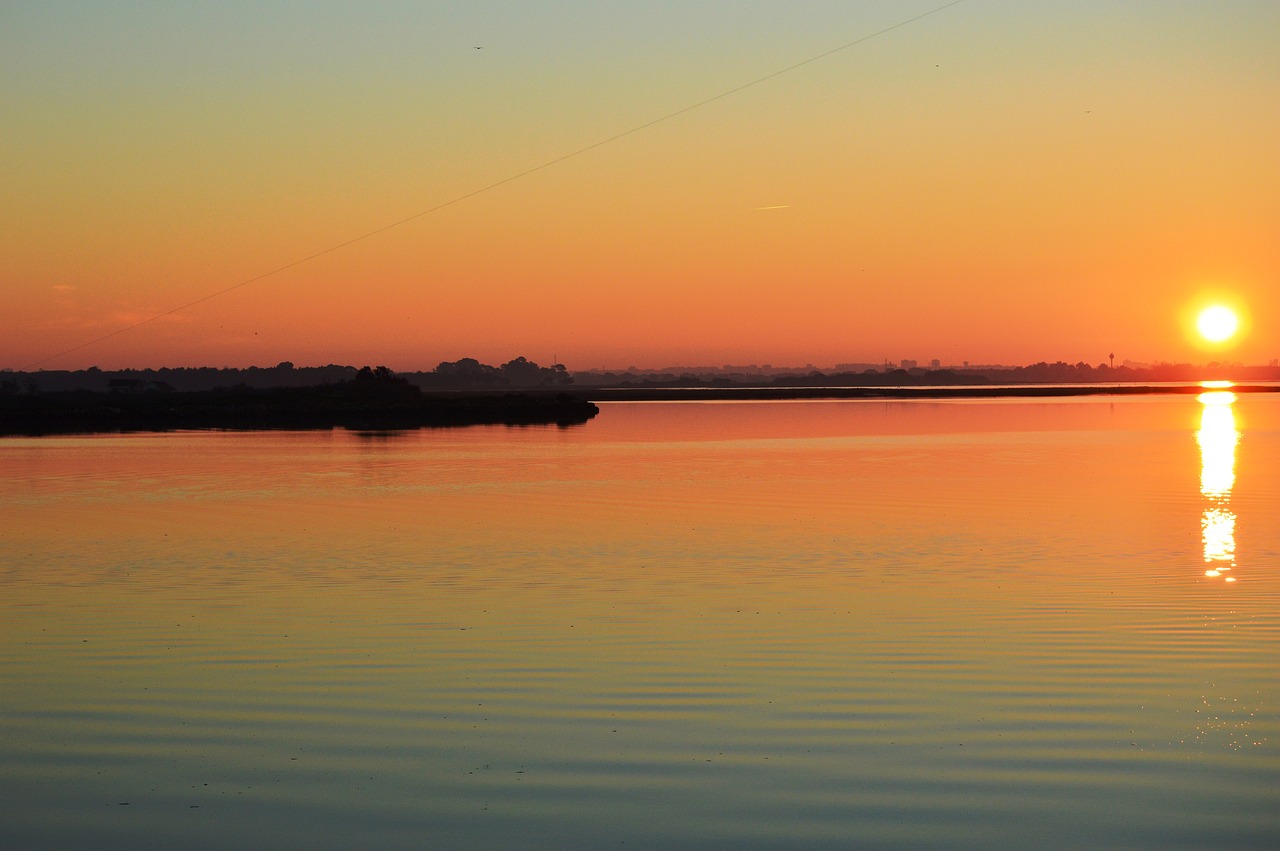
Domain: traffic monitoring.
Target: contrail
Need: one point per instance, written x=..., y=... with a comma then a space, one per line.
x=504, y=181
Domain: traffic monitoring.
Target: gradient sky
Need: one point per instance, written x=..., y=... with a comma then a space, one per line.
x=999, y=182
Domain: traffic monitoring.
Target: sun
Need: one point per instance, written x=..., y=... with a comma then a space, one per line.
x=1217, y=323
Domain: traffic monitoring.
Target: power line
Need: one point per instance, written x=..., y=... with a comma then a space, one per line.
x=510, y=179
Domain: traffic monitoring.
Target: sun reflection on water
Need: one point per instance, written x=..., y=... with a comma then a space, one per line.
x=1218, y=438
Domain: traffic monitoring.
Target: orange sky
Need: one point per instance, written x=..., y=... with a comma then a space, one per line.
x=998, y=182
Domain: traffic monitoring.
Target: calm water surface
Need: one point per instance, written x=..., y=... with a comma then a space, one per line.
x=754, y=625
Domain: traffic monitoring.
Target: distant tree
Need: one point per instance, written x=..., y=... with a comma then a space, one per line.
x=556, y=375
x=468, y=372
x=522, y=373
x=378, y=383
x=379, y=374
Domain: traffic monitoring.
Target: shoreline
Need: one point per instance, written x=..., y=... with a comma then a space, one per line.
x=1034, y=391
x=289, y=409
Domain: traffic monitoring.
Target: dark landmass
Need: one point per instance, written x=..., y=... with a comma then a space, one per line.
x=519, y=392
x=464, y=374
x=520, y=374
x=709, y=394
x=372, y=400
x=1039, y=373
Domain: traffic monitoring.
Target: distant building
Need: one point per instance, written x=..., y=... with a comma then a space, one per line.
x=908, y=364
x=935, y=364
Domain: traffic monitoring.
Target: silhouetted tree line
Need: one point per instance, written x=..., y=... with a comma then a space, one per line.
x=522, y=374
x=1036, y=373
x=812, y=378
x=180, y=378
x=876, y=378
x=1080, y=372
x=464, y=374
x=470, y=374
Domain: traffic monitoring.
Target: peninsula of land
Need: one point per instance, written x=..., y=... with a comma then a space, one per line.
x=373, y=400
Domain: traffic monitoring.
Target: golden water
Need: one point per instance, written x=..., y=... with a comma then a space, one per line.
x=710, y=625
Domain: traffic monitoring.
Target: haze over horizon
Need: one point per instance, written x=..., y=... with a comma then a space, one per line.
x=995, y=182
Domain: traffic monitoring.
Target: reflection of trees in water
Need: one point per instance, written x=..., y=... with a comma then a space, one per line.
x=1218, y=438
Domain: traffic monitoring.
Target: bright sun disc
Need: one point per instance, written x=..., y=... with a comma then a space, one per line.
x=1217, y=323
